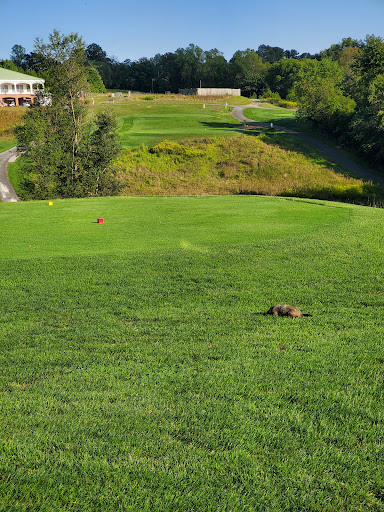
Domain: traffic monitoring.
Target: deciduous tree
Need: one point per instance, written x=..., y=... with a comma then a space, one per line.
x=18, y=55
x=318, y=90
x=248, y=71
x=56, y=139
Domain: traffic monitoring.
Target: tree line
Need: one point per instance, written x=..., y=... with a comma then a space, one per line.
x=190, y=67
x=185, y=68
x=343, y=94
x=341, y=89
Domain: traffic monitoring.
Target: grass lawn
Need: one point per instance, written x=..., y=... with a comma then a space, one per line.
x=139, y=372
x=279, y=116
x=150, y=122
x=7, y=142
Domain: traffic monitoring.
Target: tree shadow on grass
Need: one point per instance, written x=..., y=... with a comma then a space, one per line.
x=226, y=126
x=368, y=194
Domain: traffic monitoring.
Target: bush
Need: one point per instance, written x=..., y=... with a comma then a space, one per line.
x=268, y=94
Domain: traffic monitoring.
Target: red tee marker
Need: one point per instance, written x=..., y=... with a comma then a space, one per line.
x=100, y=221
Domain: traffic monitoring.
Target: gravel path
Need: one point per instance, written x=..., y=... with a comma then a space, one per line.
x=7, y=194
x=333, y=154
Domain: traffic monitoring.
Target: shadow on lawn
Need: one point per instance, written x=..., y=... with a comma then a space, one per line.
x=370, y=194
x=226, y=126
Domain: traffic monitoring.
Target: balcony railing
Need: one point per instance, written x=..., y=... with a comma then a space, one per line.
x=9, y=90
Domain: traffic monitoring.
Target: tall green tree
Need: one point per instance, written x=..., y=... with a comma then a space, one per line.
x=18, y=55
x=368, y=123
x=94, y=80
x=248, y=72
x=55, y=138
x=95, y=53
x=190, y=60
x=270, y=54
x=318, y=91
x=215, y=69
x=168, y=72
x=335, y=51
x=282, y=76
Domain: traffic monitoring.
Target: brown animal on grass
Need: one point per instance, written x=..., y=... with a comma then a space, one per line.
x=285, y=310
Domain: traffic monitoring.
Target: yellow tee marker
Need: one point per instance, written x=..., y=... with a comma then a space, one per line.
x=50, y=203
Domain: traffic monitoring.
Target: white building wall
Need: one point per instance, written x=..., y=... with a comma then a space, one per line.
x=206, y=91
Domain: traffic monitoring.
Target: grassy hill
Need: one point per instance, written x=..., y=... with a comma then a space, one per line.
x=139, y=372
x=251, y=162
x=9, y=119
x=205, y=154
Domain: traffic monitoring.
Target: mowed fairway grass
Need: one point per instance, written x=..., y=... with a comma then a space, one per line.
x=149, y=122
x=280, y=117
x=140, y=374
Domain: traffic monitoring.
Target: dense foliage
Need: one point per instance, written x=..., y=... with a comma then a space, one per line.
x=343, y=94
x=183, y=68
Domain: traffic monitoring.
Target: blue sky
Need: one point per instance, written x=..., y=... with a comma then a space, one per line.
x=128, y=29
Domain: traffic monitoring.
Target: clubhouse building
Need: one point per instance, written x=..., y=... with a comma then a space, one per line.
x=18, y=89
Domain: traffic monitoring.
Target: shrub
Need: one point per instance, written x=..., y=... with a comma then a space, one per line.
x=285, y=104
x=268, y=94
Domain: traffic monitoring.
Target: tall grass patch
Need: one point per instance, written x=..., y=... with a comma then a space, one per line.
x=9, y=119
x=136, y=97
x=243, y=164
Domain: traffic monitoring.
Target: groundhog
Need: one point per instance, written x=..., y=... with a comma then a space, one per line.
x=285, y=310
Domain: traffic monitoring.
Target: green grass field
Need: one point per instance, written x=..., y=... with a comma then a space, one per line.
x=148, y=119
x=7, y=142
x=149, y=123
x=279, y=116
x=139, y=373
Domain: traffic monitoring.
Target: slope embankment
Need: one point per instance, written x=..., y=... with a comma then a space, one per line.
x=332, y=154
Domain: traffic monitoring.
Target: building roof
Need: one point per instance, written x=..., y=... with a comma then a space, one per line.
x=7, y=74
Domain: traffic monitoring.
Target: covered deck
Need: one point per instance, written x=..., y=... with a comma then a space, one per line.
x=18, y=89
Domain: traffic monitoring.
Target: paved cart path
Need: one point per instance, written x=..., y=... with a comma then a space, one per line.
x=7, y=194
x=331, y=153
